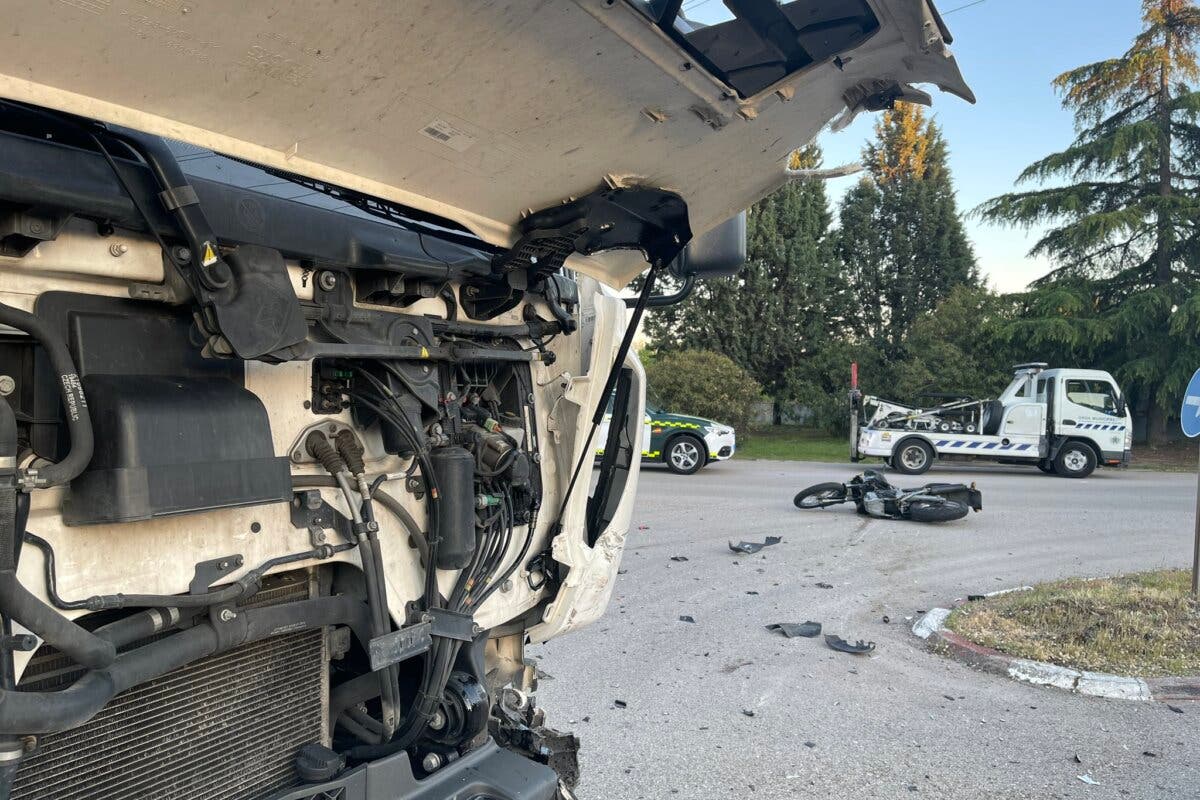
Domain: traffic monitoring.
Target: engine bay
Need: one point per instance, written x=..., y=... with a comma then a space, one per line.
x=229, y=441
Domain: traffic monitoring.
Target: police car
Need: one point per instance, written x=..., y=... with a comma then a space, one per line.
x=684, y=443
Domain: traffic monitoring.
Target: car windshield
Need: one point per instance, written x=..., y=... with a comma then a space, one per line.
x=752, y=44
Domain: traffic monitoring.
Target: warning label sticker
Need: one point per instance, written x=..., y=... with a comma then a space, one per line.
x=453, y=137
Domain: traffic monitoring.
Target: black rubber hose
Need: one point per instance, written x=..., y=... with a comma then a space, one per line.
x=79, y=422
x=23, y=713
x=319, y=447
x=141, y=625
x=51, y=574
x=351, y=451
x=81, y=646
x=26, y=713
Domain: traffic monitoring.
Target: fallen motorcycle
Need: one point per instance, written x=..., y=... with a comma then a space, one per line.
x=873, y=495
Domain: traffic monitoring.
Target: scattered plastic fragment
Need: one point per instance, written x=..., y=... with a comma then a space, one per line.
x=1149, y=754
x=810, y=745
x=973, y=597
x=1088, y=779
x=749, y=712
x=841, y=645
x=679, y=558
x=809, y=629
x=620, y=703
x=686, y=618
x=750, y=548
x=643, y=527
x=751, y=592
x=1176, y=709
x=886, y=619
x=823, y=585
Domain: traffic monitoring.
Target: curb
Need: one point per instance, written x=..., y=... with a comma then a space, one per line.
x=931, y=627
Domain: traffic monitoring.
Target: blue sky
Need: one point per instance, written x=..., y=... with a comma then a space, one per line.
x=1009, y=51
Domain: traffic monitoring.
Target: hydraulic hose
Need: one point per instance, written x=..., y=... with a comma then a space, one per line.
x=244, y=586
x=79, y=422
x=23, y=713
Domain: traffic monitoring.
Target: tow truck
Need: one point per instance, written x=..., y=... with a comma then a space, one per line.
x=1063, y=421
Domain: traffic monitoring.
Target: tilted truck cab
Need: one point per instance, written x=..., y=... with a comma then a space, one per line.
x=1064, y=421
x=308, y=312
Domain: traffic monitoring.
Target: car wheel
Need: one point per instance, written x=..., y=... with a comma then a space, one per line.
x=1075, y=460
x=913, y=457
x=685, y=455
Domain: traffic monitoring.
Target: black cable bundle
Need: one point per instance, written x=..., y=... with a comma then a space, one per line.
x=476, y=582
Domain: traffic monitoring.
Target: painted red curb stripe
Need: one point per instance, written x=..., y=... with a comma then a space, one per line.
x=1163, y=690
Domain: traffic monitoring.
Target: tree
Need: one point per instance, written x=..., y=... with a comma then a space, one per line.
x=1125, y=227
x=962, y=346
x=785, y=301
x=704, y=384
x=902, y=240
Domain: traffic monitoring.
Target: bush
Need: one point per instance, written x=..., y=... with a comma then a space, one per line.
x=704, y=384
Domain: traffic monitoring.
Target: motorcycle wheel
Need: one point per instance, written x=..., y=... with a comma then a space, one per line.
x=821, y=496
x=931, y=511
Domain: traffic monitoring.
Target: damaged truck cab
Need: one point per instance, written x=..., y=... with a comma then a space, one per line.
x=309, y=319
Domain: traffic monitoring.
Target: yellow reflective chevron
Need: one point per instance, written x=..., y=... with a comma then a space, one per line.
x=649, y=454
x=669, y=424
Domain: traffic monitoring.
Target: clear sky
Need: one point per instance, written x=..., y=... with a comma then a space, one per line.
x=1009, y=51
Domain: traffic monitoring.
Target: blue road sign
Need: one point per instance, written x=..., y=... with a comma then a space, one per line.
x=1189, y=414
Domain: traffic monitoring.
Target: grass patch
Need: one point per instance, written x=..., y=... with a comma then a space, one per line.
x=1146, y=624
x=792, y=443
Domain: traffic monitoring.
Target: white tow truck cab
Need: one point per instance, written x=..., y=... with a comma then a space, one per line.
x=1064, y=421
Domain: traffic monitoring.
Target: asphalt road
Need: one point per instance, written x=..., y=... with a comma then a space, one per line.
x=898, y=724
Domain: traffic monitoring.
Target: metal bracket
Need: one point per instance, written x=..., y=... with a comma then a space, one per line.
x=451, y=624
x=330, y=427
x=309, y=510
x=207, y=572
x=397, y=646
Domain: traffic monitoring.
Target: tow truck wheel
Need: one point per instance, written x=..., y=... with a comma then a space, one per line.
x=685, y=455
x=912, y=457
x=1075, y=460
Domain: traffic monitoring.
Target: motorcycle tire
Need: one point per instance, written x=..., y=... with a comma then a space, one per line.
x=821, y=496
x=930, y=511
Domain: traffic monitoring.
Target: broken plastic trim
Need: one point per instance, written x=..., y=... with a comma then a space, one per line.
x=841, y=645
x=654, y=221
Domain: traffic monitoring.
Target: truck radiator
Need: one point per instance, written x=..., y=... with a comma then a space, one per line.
x=225, y=728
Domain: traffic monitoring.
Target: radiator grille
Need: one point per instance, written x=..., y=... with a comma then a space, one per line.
x=225, y=728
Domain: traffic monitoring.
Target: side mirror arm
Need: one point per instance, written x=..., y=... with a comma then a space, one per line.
x=662, y=300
